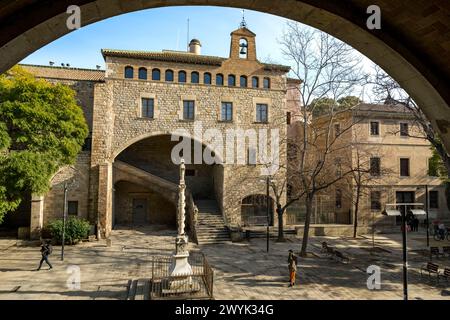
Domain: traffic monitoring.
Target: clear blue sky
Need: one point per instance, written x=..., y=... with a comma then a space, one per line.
x=162, y=28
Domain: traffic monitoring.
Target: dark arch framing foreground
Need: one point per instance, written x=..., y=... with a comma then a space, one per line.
x=408, y=45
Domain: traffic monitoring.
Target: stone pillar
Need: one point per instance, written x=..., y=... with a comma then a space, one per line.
x=104, y=212
x=37, y=217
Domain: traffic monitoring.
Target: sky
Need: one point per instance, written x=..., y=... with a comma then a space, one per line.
x=166, y=28
x=163, y=28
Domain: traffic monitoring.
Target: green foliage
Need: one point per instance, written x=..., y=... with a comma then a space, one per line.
x=41, y=129
x=76, y=229
x=324, y=106
x=436, y=167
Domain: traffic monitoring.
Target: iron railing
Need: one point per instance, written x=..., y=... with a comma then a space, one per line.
x=196, y=285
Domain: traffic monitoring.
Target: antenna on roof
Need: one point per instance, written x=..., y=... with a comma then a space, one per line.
x=187, y=48
x=243, y=22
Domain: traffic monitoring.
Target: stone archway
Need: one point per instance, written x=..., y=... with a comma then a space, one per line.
x=412, y=53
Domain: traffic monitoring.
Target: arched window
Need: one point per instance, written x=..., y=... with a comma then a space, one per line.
x=243, y=82
x=255, y=82
x=231, y=80
x=219, y=79
x=182, y=76
x=156, y=74
x=169, y=75
x=266, y=83
x=129, y=72
x=142, y=73
x=243, y=48
x=207, y=78
x=195, y=78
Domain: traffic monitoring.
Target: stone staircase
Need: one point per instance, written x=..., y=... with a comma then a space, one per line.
x=210, y=226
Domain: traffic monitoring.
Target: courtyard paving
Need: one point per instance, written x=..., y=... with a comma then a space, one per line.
x=242, y=270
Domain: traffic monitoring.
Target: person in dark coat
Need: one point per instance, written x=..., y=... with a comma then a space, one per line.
x=46, y=250
x=292, y=265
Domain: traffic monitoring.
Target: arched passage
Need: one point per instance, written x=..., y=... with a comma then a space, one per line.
x=409, y=46
x=145, y=179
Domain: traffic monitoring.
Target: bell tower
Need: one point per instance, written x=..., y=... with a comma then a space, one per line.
x=243, y=44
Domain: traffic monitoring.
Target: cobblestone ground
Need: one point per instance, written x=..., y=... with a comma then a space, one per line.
x=242, y=270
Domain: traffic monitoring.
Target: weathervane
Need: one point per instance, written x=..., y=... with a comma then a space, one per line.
x=243, y=23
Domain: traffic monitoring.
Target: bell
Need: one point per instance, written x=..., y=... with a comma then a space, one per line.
x=243, y=51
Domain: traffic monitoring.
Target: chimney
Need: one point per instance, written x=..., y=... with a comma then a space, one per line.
x=195, y=46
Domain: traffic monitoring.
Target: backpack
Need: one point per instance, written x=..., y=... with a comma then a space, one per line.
x=49, y=249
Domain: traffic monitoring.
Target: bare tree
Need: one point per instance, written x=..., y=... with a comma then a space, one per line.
x=328, y=68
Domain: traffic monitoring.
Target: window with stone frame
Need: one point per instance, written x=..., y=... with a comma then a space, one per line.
x=375, y=166
x=374, y=128
x=148, y=108
x=188, y=110
x=266, y=83
x=142, y=74
x=404, y=132
x=434, y=199
x=207, y=78
x=375, y=200
x=72, y=208
x=404, y=167
x=255, y=82
x=219, y=79
x=226, y=113
x=195, y=77
x=169, y=75
x=182, y=76
x=243, y=82
x=262, y=112
x=129, y=72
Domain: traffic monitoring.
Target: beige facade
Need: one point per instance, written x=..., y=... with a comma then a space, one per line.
x=390, y=134
x=128, y=174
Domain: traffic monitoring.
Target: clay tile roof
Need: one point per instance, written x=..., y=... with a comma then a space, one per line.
x=51, y=72
x=372, y=107
x=169, y=56
x=181, y=57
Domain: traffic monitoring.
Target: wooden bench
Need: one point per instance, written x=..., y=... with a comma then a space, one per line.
x=431, y=268
x=340, y=256
x=434, y=251
x=445, y=274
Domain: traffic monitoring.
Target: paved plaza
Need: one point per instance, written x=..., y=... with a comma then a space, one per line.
x=242, y=270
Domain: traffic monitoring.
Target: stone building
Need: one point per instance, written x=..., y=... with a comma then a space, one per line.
x=387, y=145
x=140, y=110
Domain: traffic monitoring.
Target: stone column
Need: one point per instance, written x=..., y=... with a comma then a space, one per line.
x=37, y=217
x=105, y=199
x=181, y=265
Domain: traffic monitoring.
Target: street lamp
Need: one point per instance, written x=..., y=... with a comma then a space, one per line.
x=66, y=188
x=268, y=180
x=395, y=212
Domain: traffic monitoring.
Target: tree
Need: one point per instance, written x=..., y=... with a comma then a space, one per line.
x=329, y=69
x=389, y=91
x=324, y=106
x=41, y=129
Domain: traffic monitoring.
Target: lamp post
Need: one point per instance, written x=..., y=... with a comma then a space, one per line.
x=268, y=210
x=64, y=221
x=428, y=218
x=402, y=213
